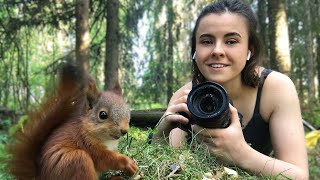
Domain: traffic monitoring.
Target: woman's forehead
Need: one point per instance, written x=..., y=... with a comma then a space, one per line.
x=222, y=23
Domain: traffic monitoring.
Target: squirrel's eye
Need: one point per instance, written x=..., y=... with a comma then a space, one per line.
x=103, y=115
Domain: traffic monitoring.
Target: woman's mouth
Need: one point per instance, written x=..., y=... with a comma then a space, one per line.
x=217, y=65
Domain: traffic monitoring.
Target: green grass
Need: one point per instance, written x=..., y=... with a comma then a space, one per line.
x=3, y=155
x=155, y=159
x=314, y=162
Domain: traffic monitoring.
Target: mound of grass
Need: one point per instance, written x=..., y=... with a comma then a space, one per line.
x=160, y=161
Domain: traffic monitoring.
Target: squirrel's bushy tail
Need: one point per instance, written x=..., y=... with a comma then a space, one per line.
x=68, y=100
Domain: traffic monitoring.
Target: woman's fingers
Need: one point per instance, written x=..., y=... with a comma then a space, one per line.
x=234, y=116
x=205, y=139
x=181, y=99
x=176, y=118
x=204, y=132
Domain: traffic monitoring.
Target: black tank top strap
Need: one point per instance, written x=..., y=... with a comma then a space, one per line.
x=264, y=75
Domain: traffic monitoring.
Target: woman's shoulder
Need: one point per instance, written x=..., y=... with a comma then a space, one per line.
x=278, y=80
x=279, y=95
x=279, y=89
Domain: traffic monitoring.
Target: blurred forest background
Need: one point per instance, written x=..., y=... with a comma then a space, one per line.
x=143, y=46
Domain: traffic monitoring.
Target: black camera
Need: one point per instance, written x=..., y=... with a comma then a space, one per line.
x=208, y=104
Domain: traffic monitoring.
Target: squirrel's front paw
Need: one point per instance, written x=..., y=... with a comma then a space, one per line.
x=129, y=166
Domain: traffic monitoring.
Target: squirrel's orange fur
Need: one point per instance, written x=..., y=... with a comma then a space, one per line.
x=74, y=134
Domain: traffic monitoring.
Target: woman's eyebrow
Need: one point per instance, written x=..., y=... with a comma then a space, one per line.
x=232, y=34
x=205, y=35
x=226, y=35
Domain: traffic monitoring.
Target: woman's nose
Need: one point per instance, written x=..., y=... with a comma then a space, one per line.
x=217, y=50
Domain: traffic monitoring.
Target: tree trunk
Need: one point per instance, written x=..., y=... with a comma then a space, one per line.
x=82, y=33
x=111, y=64
x=146, y=118
x=318, y=49
x=262, y=15
x=150, y=118
x=318, y=65
x=309, y=57
x=170, y=16
x=279, y=37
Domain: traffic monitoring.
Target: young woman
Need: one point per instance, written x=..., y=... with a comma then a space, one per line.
x=226, y=50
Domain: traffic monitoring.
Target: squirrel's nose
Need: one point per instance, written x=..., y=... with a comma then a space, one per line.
x=124, y=131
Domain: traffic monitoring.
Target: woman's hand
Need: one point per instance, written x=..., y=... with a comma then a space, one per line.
x=227, y=144
x=177, y=104
x=171, y=117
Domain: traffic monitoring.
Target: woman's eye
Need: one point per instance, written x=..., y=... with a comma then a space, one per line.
x=206, y=42
x=103, y=115
x=231, y=41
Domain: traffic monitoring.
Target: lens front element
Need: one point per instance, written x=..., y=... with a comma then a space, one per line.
x=209, y=105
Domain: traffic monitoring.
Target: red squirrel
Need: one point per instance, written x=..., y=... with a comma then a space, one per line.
x=74, y=134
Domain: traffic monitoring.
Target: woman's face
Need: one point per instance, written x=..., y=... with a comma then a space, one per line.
x=222, y=47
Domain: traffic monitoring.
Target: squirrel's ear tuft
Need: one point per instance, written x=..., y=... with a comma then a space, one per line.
x=117, y=89
x=93, y=92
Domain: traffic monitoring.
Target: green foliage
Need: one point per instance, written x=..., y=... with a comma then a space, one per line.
x=314, y=162
x=18, y=125
x=312, y=115
x=4, y=139
x=3, y=155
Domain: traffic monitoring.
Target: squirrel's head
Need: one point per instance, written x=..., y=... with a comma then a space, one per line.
x=109, y=117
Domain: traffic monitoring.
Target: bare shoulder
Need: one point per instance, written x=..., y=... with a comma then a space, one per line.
x=279, y=97
x=277, y=80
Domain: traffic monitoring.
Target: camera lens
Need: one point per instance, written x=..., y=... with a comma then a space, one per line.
x=209, y=105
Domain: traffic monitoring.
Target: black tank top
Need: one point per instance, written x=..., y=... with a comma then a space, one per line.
x=256, y=133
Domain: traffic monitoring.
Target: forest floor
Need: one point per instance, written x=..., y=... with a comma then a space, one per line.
x=159, y=161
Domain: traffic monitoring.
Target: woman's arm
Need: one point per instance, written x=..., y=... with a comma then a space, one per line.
x=286, y=129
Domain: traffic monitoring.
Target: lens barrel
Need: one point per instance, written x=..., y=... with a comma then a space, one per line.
x=208, y=103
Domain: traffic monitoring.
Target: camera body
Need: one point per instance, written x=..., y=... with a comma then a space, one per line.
x=208, y=104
